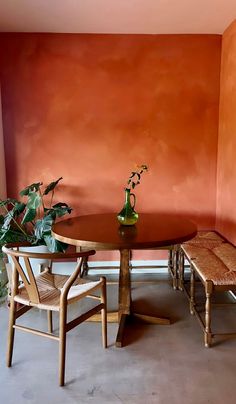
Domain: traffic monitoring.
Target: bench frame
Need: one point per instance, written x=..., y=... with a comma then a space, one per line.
x=210, y=288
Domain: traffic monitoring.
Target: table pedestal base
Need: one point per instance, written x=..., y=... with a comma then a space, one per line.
x=147, y=319
x=112, y=317
x=125, y=311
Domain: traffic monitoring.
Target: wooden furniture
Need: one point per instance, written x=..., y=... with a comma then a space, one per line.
x=172, y=267
x=213, y=261
x=51, y=292
x=204, y=239
x=103, y=232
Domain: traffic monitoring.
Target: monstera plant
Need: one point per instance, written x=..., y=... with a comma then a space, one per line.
x=31, y=218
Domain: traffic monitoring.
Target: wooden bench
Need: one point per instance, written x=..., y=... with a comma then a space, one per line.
x=213, y=260
x=204, y=239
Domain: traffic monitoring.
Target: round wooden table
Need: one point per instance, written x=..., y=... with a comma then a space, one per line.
x=103, y=232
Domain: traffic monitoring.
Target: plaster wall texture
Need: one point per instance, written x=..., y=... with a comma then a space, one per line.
x=90, y=107
x=226, y=183
x=2, y=158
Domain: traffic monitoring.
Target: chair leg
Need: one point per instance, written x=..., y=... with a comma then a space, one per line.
x=50, y=323
x=192, y=290
x=207, y=333
x=62, y=345
x=104, y=313
x=11, y=332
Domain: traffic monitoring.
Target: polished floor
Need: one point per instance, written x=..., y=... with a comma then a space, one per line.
x=158, y=365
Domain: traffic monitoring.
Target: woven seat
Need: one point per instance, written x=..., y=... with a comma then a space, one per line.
x=213, y=260
x=211, y=267
x=50, y=287
x=207, y=239
x=217, y=264
x=204, y=235
x=191, y=249
x=51, y=292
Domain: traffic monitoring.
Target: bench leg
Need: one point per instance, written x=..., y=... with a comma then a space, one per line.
x=181, y=270
x=207, y=333
x=50, y=323
x=170, y=260
x=192, y=290
x=175, y=266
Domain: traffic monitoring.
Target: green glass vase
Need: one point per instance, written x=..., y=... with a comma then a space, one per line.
x=127, y=215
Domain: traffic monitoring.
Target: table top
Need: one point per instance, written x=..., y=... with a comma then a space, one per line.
x=103, y=231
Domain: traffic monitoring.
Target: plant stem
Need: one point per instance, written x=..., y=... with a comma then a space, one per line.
x=41, y=196
x=42, y=204
x=51, y=198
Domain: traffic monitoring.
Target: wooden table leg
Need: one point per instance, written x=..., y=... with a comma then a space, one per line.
x=121, y=330
x=85, y=267
x=124, y=294
x=125, y=300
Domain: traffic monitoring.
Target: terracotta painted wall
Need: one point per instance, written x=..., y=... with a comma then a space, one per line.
x=226, y=184
x=2, y=158
x=88, y=107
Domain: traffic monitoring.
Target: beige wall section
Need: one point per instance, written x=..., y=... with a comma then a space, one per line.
x=2, y=157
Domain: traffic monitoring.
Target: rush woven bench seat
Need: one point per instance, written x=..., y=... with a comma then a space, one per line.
x=213, y=260
x=208, y=240
x=217, y=265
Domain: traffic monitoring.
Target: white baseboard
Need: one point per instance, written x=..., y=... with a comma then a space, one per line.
x=139, y=266
x=112, y=267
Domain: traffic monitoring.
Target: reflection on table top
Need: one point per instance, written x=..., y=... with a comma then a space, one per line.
x=102, y=231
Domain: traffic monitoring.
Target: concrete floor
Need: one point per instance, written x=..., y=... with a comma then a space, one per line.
x=159, y=364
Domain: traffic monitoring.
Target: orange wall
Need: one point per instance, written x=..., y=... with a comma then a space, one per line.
x=88, y=107
x=2, y=158
x=226, y=184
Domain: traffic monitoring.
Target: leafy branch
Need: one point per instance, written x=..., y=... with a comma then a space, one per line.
x=135, y=177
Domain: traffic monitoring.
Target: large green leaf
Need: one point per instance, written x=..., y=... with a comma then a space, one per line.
x=19, y=208
x=58, y=210
x=51, y=213
x=8, y=201
x=51, y=186
x=43, y=227
x=7, y=220
x=32, y=187
x=61, y=211
x=34, y=200
x=54, y=245
x=3, y=234
x=12, y=214
x=29, y=215
x=61, y=205
x=12, y=236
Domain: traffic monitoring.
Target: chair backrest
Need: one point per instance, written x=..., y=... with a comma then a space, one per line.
x=26, y=272
x=27, y=277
